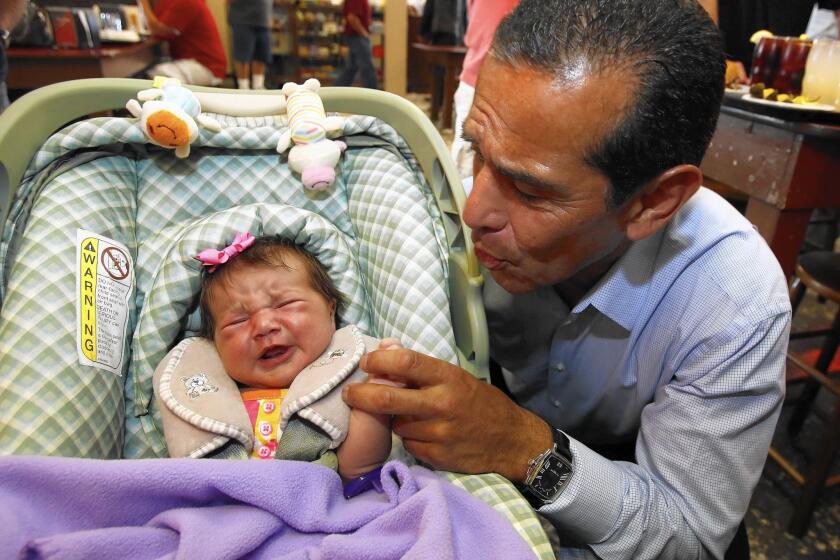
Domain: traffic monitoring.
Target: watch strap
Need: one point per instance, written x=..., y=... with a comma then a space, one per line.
x=561, y=444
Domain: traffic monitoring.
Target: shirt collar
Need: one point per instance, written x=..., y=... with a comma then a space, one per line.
x=623, y=289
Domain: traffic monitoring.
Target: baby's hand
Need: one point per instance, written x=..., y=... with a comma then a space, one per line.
x=389, y=344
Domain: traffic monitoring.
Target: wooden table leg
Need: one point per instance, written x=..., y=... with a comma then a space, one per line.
x=783, y=230
x=437, y=86
x=450, y=81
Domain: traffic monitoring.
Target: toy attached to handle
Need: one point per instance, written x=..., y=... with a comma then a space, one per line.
x=313, y=155
x=170, y=115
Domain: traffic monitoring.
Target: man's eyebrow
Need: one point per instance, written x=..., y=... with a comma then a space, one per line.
x=528, y=179
x=515, y=174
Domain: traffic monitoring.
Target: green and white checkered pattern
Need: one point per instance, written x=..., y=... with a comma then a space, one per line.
x=379, y=219
x=51, y=404
x=143, y=196
x=497, y=492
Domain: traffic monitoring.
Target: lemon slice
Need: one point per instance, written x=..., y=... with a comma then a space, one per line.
x=758, y=35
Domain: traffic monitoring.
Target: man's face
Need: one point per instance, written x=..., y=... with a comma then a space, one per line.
x=538, y=211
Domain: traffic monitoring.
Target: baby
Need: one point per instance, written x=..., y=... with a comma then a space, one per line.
x=269, y=308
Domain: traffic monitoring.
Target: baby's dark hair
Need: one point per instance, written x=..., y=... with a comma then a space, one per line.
x=267, y=251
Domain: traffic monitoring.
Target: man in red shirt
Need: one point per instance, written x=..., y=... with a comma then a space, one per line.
x=194, y=42
x=357, y=36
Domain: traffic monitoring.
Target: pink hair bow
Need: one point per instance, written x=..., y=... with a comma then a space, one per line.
x=212, y=258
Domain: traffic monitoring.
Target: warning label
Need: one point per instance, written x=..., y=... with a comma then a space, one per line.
x=104, y=279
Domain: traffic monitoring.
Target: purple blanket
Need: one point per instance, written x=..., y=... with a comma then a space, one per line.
x=54, y=507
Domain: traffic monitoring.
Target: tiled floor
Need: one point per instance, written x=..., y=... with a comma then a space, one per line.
x=771, y=505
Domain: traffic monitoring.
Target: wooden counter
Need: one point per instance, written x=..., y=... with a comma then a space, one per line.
x=33, y=67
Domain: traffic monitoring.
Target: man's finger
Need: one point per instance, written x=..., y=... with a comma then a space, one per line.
x=406, y=366
x=420, y=429
x=386, y=399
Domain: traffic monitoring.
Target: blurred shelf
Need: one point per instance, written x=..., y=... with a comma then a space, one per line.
x=301, y=25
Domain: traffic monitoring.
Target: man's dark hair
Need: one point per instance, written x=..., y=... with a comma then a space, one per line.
x=673, y=53
x=267, y=251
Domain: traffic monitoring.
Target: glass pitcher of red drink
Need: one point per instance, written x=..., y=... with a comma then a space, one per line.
x=791, y=70
x=765, y=61
x=779, y=63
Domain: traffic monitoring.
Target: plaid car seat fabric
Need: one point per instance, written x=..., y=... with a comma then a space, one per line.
x=97, y=175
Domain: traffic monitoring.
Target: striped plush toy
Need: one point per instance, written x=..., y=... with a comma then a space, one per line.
x=313, y=154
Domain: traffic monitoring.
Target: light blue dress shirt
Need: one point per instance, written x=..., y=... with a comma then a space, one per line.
x=681, y=345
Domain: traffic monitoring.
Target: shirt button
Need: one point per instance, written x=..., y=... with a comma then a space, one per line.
x=559, y=366
x=265, y=428
x=265, y=451
x=268, y=407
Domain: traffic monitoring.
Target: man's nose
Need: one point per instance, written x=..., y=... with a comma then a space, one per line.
x=484, y=209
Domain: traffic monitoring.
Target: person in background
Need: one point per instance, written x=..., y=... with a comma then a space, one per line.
x=250, y=23
x=444, y=22
x=483, y=16
x=357, y=16
x=824, y=23
x=640, y=322
x=194, y=43
x=11, y=11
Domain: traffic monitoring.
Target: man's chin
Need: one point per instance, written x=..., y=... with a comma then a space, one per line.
x=511, y=283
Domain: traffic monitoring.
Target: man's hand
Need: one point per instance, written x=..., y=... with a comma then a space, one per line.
x=157, y=27
x=11, y=11
x=356, y=24
x=448, y=418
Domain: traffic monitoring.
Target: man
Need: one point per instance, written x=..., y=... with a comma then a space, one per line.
x=625, y=304
x=198, y=56
x=250, y=24
x=357, y=16
x=11, y=11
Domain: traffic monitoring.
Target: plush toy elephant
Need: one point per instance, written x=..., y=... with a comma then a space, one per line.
x=313, y=154
x=170, y=115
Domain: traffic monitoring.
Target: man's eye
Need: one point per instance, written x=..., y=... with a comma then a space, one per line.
x=525, y=196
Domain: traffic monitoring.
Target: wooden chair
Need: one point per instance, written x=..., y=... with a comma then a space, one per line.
x=820, y=272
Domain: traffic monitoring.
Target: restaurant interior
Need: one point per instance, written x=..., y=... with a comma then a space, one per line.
x=775, y=156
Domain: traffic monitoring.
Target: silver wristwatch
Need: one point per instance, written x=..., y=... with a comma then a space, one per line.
x=550, y=472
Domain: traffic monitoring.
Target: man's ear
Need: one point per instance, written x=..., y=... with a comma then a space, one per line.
x=660, y=200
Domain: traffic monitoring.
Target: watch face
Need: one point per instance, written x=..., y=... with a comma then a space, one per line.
x=551, y=477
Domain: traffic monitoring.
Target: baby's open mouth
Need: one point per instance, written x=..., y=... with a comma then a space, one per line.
x=273, y=352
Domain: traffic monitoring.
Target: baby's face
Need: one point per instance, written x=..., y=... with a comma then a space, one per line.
x=270, y=323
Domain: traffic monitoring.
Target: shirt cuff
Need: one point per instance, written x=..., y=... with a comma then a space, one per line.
x=591, y=504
